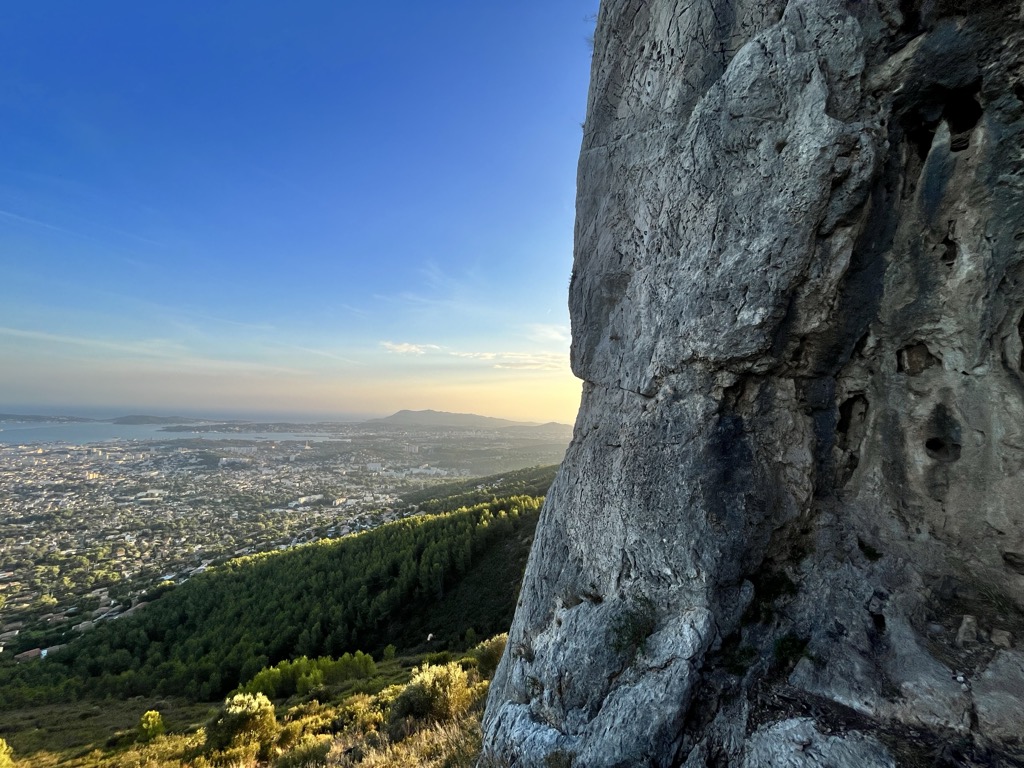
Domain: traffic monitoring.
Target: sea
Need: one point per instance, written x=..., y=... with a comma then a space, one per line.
x=88, y=433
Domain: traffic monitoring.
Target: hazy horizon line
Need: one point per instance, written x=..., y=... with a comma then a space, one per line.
x=101, y=413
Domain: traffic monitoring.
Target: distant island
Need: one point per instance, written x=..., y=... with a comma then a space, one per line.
x=444, y=419
x=36, y=419
x=136, y=419
x=153, y=420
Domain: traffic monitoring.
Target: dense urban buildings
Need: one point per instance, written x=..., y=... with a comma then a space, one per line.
x=86, y=530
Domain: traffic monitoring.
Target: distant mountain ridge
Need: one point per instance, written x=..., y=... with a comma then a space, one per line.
x=428, y=418
x=403, y=418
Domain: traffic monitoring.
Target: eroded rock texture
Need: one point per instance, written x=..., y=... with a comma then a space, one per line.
x=798, y=307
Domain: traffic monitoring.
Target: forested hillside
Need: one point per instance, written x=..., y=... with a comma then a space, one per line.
x=453, y=575
x=450, y=496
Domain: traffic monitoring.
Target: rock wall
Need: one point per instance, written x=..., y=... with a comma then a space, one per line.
x=790, y=527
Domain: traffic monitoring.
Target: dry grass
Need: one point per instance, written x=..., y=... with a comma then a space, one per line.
x=81, y=734
x=443, y=745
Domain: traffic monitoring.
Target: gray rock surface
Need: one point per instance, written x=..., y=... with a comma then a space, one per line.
x=968, y=632
x=999, y=693
x=798, y=308
x=798, y=744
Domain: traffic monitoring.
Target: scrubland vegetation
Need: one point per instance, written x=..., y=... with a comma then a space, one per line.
x=409, y=712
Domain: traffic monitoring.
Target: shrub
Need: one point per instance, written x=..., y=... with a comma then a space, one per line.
x=311, y=752
x=290, y=735
x=310, y=681
x=239, y=756
x=244, y=719
x=360, y=714
x=488, y=654
x=478, y=694
x=389, y=652
x=313, y=716
x=151, y=725
x=439, y=693
x=386, y=699
x=6, y=755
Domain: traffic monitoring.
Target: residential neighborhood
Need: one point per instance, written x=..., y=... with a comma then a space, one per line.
x=86, y=530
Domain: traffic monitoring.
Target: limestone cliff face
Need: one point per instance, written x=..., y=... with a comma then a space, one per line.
x=798, y=307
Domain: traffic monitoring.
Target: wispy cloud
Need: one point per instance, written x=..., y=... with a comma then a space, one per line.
x=409, y=349
x=260, y=327
x=520, y=361
x=451, y=297
x=44, y=225
x=549, y=333
x=149, y=348
x=75, y=233
x=525, y=361
x=325, y=353
x=164, y=353
x=354, y=310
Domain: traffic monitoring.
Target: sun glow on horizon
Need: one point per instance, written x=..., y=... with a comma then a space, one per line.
x=310, y=210
x=535, y=387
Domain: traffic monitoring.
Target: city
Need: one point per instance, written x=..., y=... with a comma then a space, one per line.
x=87, y=530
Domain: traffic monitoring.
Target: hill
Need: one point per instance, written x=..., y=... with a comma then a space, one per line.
x=447, y=497
x=445, y=419
x=266, y=624
x=430, y=576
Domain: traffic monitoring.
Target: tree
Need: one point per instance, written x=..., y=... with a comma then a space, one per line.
x=46, y=602
x=309, y=682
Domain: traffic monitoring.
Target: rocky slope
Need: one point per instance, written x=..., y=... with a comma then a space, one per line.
x=790, y=528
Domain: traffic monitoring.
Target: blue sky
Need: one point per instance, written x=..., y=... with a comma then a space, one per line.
x=314, y=207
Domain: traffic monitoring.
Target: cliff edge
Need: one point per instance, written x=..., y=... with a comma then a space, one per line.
x=789, y=530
